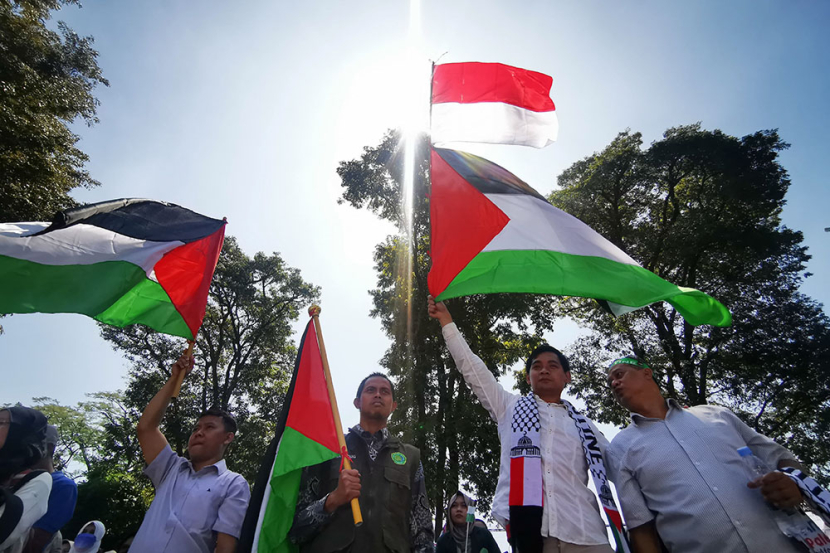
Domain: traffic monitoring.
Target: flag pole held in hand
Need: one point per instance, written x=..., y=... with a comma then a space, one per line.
x=314, y=311
x=180, y=378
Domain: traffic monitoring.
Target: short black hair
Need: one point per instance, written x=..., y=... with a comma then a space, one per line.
x=547, y=348
x=373, y=375
x=227, y=419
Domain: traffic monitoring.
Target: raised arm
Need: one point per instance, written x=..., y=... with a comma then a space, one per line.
x=490, y=393
x=150, y=438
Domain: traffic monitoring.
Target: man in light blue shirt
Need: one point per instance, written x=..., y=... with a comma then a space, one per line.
x=200, y=504
x=680, y=478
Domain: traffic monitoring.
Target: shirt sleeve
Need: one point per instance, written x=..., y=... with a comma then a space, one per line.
x=310, y=516
x=232, y=509
x=161, y=466
x=35, y=498
x=762, y=447
x=423, y=536
x=634, y=508
x=62, y=501
x=490, y=393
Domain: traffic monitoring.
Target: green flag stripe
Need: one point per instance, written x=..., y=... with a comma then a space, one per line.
x=294, y=452
x=551, y=272
x=147, y=303
x=113, y=292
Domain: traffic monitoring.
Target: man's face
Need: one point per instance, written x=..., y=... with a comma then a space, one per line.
x=546, y=376
x=375, y=401
x=209, y=439
x=5, y=422
x=626, y=381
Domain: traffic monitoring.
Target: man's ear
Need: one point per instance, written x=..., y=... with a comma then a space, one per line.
x=394, y=406
x=229, y=438
x=568, y=377
x=356, y=403
x=527, y=376
x=648, y=372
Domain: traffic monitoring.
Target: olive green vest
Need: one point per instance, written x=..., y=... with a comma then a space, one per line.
x=385, y=500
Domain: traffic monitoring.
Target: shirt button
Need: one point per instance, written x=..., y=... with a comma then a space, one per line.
x=697, y=463
x=714, y=489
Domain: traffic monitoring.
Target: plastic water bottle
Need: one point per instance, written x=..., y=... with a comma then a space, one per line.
x=792, y=522
x=754, y=467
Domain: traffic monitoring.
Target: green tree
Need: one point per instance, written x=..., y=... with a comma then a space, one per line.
x=436, y=411
x=98, y=448
x=48, y=79
x=702, y=209
x=244, y=354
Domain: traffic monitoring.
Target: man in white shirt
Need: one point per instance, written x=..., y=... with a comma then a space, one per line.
x=570, y=518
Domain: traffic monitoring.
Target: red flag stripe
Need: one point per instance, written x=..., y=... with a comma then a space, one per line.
x=185, y=274
x=517, y=481
x=473, y=82
x=310, y=412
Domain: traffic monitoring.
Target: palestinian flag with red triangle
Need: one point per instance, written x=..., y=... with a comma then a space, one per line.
x=120, y=262
x=491, y=232
x=305, y=436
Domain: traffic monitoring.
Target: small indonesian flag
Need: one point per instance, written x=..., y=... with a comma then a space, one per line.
x=121, y=262
x=492, y=103
x=491, y=232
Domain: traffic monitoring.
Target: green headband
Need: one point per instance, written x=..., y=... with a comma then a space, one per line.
x=629, y=361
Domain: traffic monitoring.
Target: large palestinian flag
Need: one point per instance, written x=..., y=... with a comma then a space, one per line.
x=305, y=436
x=491, y=232
x=492, y=103
x=120, y=262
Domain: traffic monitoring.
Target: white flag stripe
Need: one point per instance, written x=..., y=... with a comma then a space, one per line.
x=537, y=225
x=264, y=505
x=493, y=123
x=80, y=244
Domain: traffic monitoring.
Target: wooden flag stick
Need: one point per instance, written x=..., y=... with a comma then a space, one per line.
x=179, y=381
x=314, y=311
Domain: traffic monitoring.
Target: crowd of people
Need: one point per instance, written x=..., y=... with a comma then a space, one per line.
x=680, y=476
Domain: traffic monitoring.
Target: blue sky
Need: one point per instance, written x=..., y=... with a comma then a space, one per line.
x=243, y=110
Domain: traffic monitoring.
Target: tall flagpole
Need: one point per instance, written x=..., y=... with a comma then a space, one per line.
x=314, y=311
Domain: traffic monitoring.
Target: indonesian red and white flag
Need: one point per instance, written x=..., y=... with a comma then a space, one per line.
x=492, y=103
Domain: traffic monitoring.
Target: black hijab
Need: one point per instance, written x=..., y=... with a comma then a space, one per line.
x=26, y=441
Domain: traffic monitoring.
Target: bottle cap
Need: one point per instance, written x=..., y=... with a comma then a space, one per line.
x=744, y=451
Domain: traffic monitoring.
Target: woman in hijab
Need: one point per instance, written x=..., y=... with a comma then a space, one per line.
x=89, y=538
x=461, y=536
x=24, y=494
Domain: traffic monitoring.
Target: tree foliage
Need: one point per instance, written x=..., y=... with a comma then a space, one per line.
x=48, y=79
x=98, y=448
x=436, y=410
x=244, y=354
x=702, y=209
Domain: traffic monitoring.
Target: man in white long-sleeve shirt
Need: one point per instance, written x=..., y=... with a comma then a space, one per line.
x=570, y=518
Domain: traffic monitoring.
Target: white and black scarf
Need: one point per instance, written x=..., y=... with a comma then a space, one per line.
x=526, y=499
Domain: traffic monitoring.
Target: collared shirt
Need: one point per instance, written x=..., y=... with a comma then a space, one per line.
x=570, y=511
x=190, y=507
x=311, y=515
x=684, y=472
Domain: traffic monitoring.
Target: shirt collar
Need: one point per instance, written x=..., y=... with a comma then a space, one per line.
x=382, y=434
x=543, y=402
x=220, y=467
x=671, y=403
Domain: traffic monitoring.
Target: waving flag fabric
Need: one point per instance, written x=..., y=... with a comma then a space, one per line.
x=121, y=262
x=491, y=232
x=305, y=436
x=493, y=103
